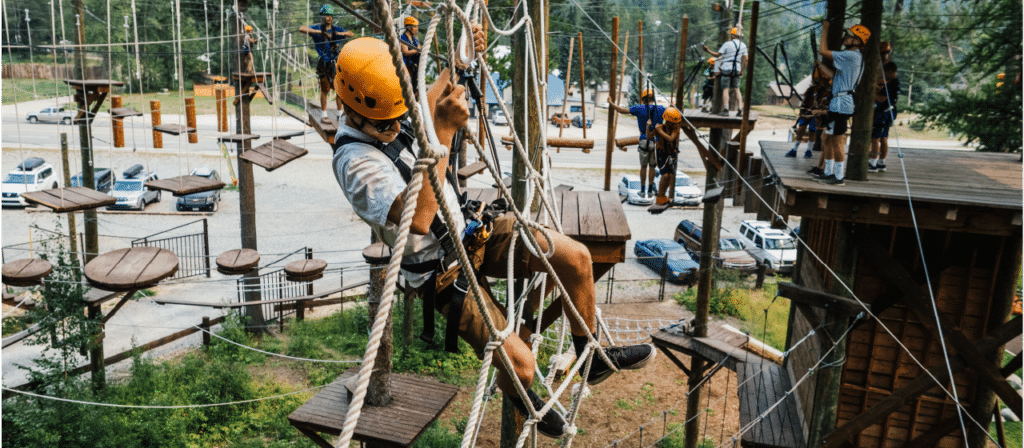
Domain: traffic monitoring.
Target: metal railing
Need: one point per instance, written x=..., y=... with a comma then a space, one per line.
x=193, y=250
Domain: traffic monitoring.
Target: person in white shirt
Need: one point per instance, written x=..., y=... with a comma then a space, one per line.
x=729, y=62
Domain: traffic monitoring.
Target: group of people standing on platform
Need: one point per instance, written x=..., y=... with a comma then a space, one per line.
x=828, y=105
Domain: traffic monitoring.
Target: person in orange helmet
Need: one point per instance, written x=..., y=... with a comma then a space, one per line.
x=374, y=153
x=411, y=48
x=668, y=152
x=849, y=65
x=648, y=115
x=731, y=57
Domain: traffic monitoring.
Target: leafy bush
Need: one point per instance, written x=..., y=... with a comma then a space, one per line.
x=726, y=296
x=233, y=329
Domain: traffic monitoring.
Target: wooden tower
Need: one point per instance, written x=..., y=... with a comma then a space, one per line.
x=870, y=391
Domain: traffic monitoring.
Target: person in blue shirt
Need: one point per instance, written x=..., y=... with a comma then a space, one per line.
x=327, y=39
x=648, y=115
x=849, y=69
x=411, y=49
x=885, y=113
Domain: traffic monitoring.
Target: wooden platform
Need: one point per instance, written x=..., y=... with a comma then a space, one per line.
x=326, y=130
x=183, y=185
x=945, y=185
x=237, y=138
x=273, y=154
x=173, y=129
x=131, y=269
x=416, y=402
x=594, y=218
x=122, y=112
x=763, y=383
x=26, y=271
x=472, y=169
x=70, y=199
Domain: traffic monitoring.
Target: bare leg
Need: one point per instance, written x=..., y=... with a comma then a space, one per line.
x=874, y=148
x=643, y=177
x=839, y=148
x=883, y=147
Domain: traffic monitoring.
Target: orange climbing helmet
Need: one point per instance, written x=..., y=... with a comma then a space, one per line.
x=366, y=80
x=860, y=31
x=711, y=61
x=248, y=28
x=672, y=115
x=411, y=21
x=646, y=93
x=734, y=32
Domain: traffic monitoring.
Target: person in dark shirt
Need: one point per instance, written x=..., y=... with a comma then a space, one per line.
x=410, y=49
x=327, y=39
x=807, y=121
x=708, y=89
x=648, y=115
x=885, y=113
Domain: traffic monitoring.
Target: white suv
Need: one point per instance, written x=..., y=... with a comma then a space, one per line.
x=34, y=174
x=773, y=247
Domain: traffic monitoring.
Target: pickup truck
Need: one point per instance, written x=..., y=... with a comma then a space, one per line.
x=53, y=114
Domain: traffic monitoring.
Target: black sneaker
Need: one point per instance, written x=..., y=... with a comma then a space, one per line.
x=872, y=168
x=551, y=425
x=820, y=176
x=816, y=171
x=880, y=166
x=808, y=154
x=724, y=113
x=791, y=153
x=832, y=180
x=630, y=357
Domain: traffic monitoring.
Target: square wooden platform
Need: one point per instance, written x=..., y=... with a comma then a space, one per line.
x=416, y=402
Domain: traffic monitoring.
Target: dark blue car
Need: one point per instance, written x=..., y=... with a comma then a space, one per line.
x=681, y=268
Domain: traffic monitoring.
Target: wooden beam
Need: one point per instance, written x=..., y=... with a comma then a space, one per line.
x=705, y=155
x=672, y=357
x=819, y=299
x=897, y=275
x=899, y=397
x=127, y=296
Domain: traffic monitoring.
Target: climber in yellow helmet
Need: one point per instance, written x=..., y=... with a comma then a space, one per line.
x=372, y=164
x=668, y=152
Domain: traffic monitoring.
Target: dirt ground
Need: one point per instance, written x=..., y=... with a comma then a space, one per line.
x=653, y=398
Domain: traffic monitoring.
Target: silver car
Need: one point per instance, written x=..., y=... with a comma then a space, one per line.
x=629, y=189
x=53, y=115
x=131, y=191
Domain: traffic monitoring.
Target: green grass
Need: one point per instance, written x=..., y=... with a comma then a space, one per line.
x=1012, y=431
x=761, y=314
x=18, y=90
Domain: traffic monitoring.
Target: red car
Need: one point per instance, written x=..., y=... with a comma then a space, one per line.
x=561, y=120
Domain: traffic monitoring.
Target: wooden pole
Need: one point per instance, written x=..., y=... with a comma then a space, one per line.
x=709, y=238
x=246, y=181
x=158, y=137
x=864, y=96
x=72, y=231
x=568, y=79
x=583, y=88
x=748, y=89
x=190, y=119
x=116, y=123
x=377, y=255
x=684, y=32
x=88, y=178
x=612, y=115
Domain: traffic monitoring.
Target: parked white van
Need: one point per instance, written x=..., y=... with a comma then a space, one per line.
x=773, y=247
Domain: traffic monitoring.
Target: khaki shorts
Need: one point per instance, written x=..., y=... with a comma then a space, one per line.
x=647, y=158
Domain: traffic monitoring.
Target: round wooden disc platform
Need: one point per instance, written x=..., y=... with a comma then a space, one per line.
x=26, y=272
x=237, y=261
x=131, y=269
x=377, y=253
x=305, y=270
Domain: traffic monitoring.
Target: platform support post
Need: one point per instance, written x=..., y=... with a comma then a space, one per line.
x=190, y=119
x=377, y=255
x=72, y=230
x=158, y=137
x=117, y=123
